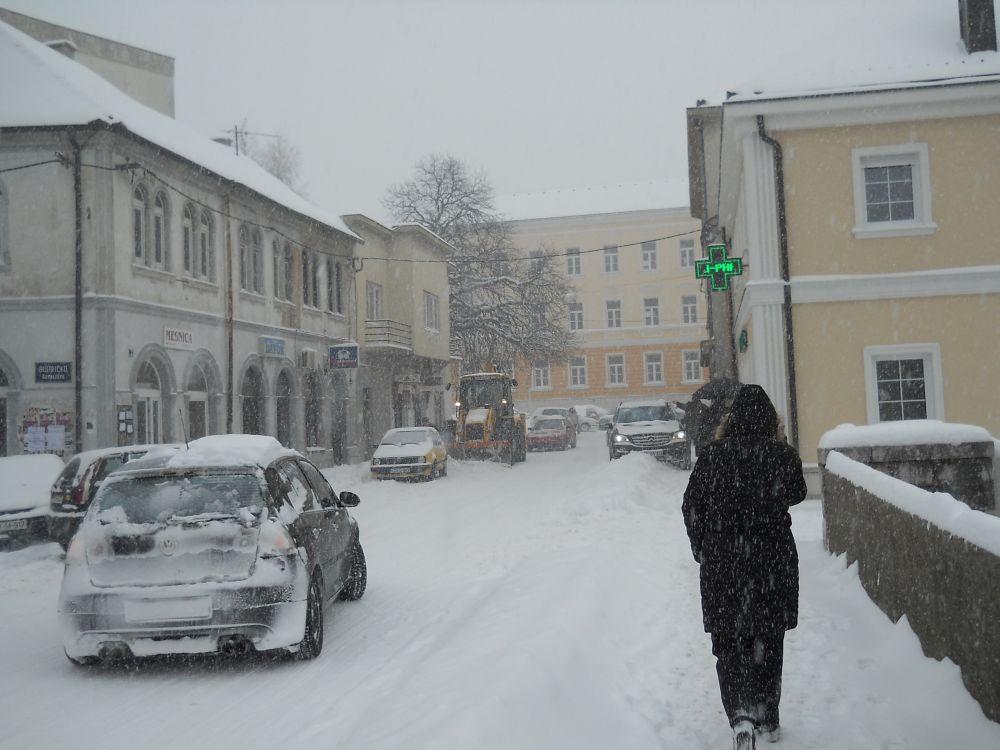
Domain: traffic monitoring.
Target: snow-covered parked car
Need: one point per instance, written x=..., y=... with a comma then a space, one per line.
x=548, y=433
x=234, y=545
x=74, y=489
x=590, y=416
x=410, y=452
x=568, y=414
x=649, y=427
x=24, y=494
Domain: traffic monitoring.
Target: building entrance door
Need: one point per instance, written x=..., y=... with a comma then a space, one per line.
x=147, y=417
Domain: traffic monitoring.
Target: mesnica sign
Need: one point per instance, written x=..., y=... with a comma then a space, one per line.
x=718, y=267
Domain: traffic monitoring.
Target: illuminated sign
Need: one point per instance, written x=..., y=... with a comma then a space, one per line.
x=718, y=267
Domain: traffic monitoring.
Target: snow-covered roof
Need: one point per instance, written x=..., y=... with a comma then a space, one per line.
x=25, y=480
x=907, y=432
x=886, y=49
x=631, y=404
x=40, y=87
x=600, y=199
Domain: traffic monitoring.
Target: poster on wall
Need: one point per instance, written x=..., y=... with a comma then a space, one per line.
x=42, y=429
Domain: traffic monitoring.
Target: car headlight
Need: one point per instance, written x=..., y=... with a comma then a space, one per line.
x=680, y=434
x=621, y=439
x=376, y=461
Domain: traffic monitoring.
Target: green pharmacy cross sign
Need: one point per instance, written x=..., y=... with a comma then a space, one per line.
x=718, y=267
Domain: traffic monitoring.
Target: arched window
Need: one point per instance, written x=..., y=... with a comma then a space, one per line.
x=140, y=208
x=306, y=286
x=148, y=405
x=4, y=385
x=197, y=392
x=313, y=396
x=4, y=246
x=276, y=269
x=288, y=272
x=283, y=408
x=257, y=262
x=205, y=267
x=244, y=243
x=160, y=234
x=252, y=391
x=187, y=239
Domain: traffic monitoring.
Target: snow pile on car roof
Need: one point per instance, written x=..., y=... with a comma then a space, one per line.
x=907, y=432
x=223, y=450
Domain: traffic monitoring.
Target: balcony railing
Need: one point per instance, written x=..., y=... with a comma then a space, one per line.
x=388, y=333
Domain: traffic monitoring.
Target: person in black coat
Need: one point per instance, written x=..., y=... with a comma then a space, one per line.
x=736, y=512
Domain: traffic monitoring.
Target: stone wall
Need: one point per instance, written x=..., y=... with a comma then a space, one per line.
x=964, y=471
x=948, y=588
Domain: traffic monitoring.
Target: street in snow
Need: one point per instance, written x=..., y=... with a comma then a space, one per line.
x=550, y=605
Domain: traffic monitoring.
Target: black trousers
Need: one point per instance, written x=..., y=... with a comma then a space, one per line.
x=749, y=668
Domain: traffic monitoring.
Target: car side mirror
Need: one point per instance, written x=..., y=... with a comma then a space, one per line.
x=349, y=499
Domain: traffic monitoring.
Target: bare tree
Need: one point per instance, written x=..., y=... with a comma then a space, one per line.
x=504, y=307
x=275, y=153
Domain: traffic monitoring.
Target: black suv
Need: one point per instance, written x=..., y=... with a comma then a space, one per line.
x=649, y=427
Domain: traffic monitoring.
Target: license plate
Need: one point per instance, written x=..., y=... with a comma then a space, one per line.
x=21, y=523
x=162, y=610
x=399, y=470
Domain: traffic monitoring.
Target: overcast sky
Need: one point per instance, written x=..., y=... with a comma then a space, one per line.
x=539, y=94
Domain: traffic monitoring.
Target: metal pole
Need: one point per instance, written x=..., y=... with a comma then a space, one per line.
x=78, y=296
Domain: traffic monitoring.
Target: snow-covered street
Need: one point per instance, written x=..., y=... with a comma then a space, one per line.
x=550, y=605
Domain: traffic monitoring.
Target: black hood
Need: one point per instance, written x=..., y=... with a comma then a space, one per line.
x=752, y=415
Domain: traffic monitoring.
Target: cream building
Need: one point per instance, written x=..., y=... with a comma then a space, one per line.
x=628, y=251
x=403, y=329
x=863, y=202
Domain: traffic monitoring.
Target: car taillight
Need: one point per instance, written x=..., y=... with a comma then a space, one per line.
x=274, y=541
x=76, y=496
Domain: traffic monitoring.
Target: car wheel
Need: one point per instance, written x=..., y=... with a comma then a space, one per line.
x=357, y=579
x=312, y=641
x=585, y=427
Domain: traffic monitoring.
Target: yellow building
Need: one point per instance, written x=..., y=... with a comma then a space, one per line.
x=628, y=251
x=865, y=211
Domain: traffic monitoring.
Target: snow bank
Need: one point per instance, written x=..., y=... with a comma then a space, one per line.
x=25, y=481
x=938, y=508
x=908, y=432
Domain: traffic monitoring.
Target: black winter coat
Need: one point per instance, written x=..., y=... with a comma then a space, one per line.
x=736, y=512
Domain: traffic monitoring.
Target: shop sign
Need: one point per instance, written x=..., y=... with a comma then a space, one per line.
x=53, y=372
x=271, y=346
x=177, y=338
x=343, y=356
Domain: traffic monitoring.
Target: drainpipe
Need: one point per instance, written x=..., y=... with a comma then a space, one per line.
x=78, y=295
x=228, y=272
x=779, y=189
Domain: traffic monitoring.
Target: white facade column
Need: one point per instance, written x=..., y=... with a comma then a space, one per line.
x=767, y=341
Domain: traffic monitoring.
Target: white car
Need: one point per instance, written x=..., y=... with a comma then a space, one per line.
x=590, y=416
x=410, y=452
x=24, y=494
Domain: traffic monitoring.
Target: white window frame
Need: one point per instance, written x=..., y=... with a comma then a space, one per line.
x=432, y=312
x=918, y=156
x=650, y=257
x=573, y=367
x=574, y=263
x=607, y=370
x=686, y=258
x=933, y=379
x=611, y=260
x=686, y=360
x=159, y=230
x=575, y=323
x=608, y=309
x=654, y=318
x=649, y=358
x=541, y=376
x=685, y=308
x=373, y=301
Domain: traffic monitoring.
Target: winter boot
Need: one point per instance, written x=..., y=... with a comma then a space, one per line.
x=743, y=737
x=771, y=733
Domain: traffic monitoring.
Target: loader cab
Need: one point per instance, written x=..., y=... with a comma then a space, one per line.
x=488, y=392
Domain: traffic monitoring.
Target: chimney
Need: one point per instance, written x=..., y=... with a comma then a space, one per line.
x=64, y=46
x=978, y=25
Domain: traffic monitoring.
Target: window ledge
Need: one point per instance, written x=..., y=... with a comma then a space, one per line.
x=654, y=383
x=252, y=296
x=617, y=385
x=432, y=331
x=582, y=387
x=201, y=283
x=701, y=380
x=144, y=270
x=873, y=231
x=540, y=388
x=284, y=303
x=335, y=314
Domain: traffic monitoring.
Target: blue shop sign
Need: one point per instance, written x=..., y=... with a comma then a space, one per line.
x=344, y=356
x=271, y=346
x=53, y=372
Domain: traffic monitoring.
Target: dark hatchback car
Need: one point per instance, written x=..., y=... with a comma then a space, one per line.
x=73, y=491
x=235, y=545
